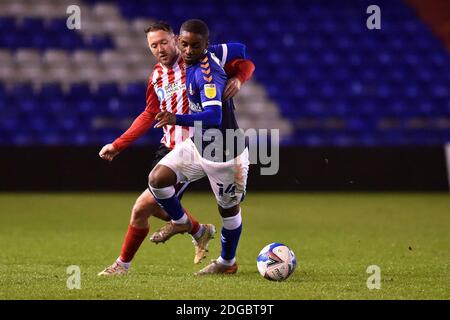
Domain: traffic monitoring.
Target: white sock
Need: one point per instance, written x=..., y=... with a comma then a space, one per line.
x=126, y=265
x=163, y=193
x=200, y=231
x=183, y=220
x=231, y=223
x=228, y=263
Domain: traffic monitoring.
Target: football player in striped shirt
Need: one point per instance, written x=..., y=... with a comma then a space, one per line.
x=166, y=91
x=225, y=163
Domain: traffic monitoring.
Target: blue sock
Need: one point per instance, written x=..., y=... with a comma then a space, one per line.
x=230, y=240
x=172, y=207
x=171, y=204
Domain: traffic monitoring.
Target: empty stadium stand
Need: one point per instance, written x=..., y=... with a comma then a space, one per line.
x=321, y=76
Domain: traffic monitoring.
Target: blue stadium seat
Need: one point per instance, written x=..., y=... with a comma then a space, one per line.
x=85, y=105
x=100, y=43
x=2, y=91
x=35, y=33
x=79, y=90
x=135, y=90
x=7, y=24
x=108, y=90
x=32, y=24
x=50, y=90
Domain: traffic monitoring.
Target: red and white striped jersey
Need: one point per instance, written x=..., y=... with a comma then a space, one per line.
x=166, y=91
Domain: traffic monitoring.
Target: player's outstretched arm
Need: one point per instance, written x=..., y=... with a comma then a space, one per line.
x=140, y=125
x=137, y=129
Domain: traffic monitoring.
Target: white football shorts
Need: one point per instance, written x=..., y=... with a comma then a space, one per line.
x=228, y=180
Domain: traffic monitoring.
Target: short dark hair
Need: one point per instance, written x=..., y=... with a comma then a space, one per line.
x=196, y=26
x=159, y=25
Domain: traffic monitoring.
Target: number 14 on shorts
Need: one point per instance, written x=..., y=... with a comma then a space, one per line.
x=230, y=189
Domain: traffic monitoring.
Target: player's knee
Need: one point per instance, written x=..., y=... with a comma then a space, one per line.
x=229, y=212
x=154, y=180
x=161, y=177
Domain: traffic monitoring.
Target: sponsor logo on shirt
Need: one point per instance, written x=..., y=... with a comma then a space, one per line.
x=160, y=94
x=195, y=107
x=172, y=88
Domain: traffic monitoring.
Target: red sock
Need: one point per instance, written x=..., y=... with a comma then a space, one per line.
x=195, y=224
x=132, y=242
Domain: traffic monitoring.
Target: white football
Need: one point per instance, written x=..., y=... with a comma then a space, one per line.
x=276, y=262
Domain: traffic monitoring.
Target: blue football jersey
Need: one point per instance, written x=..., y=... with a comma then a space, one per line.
x=205, y=83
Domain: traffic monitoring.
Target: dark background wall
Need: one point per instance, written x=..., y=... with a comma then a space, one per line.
x=301, y=169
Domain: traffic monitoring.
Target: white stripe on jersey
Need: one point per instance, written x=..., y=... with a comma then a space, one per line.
x=212, y=103
x=167, y=129
x=224, y=54
x=158, y=73
x=165, y=83
x=179, y=106
x=155, y=75
x=216, y=60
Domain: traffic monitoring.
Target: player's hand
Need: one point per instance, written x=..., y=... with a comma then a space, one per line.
x=233, y=86
x=108, y=152
x=165, y=118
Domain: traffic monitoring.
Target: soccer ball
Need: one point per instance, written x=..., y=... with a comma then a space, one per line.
x=276, y=262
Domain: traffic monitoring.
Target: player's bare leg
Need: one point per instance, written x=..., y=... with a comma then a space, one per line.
x=144, y=207
x=226, y=263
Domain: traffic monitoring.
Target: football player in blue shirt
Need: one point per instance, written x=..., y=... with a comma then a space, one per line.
x=225, y=167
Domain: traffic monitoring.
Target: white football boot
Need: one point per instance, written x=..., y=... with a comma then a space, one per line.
x=114, y=270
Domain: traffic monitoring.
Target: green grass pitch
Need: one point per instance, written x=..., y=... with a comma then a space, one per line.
x=335, y=236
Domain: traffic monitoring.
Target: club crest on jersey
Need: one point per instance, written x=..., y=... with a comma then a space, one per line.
x=160, y=94
x=210, y=91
